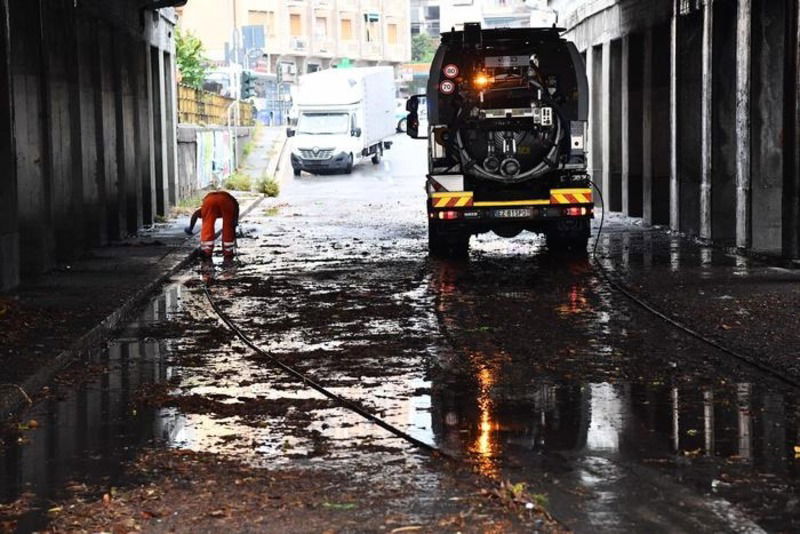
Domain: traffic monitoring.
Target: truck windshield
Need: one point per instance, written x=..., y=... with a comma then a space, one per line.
x=323, y=123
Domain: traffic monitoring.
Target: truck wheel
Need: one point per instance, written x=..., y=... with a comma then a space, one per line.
x=349, y=167
x=442, y=245
x=376, y=157
x=401, y=125
x=297, y=172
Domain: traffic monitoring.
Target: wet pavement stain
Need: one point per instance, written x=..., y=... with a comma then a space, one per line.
x=522, y=362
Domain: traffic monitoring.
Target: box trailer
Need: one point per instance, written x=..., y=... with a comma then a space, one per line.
x=344, y=116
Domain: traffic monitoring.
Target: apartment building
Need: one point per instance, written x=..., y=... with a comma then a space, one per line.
x=301, y=36
x=426, y=17
x=495, y=13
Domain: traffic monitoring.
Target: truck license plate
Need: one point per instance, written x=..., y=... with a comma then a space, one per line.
x=512, y=213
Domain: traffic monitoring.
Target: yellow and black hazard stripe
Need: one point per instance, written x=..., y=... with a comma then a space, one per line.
x=570, y=196
x=459, y=199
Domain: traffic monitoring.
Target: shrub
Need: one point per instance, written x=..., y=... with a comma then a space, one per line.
x=268, y=186
x=238, y=182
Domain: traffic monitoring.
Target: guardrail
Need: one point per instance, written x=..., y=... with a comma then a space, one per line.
x=196, y=106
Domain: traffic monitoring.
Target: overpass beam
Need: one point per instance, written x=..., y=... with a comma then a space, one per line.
x=674, y=179
x=706, y=150
x=9, y=222
x=743, y=138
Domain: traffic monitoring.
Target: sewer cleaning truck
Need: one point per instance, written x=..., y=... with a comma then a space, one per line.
x=343, y=116
x=506, y=125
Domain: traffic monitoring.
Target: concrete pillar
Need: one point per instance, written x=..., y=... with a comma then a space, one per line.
x=705, y=119
x=171, y=131
x=590, y=125
x=9, y=229
x=743, y=141
x=605, y=122
x=91, y=139
x=596, y=117
x=674, y=183
x=106, y=124
x=163, y=194
x=768, y=127
x=791, y=175
x=32, y=153
x=148, y=104
x=647, y=129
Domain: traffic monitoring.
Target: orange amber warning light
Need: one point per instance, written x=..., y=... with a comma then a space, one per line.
x=481, y=80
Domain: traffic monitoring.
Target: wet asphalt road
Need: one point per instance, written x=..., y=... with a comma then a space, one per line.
x=522, y=362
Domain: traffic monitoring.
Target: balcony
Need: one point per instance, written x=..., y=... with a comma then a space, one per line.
x=298, y=44
x=372, y=50
x=324, y=47
x=348, y=49
x=397, y=53
x=348, y=5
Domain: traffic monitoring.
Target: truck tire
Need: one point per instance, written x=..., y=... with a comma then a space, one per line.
x=402, y=125
x=349, y=167
x=441, y=245
x=297, y=172
x=376, y=157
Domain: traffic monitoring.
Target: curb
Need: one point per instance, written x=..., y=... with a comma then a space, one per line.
x=275, y=165
x=16, y=397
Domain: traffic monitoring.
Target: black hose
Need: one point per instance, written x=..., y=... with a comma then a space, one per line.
x=621, y=288
x=345, y=403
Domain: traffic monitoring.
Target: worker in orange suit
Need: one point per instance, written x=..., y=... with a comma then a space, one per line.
x=215, y=205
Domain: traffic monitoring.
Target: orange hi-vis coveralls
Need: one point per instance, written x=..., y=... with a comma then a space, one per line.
x=215, y=205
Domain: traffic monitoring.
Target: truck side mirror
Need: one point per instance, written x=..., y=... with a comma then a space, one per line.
x=412, y=122
x=356, y=132
x=290, y=132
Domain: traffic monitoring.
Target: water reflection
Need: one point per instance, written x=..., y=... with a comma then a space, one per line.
x=89, y=429
x=519, y=397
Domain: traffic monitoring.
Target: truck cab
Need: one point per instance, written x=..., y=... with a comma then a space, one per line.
x=507, y=111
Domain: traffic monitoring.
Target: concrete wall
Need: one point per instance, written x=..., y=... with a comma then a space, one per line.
x=79, y=146
x=694, y=119
x=188, y=181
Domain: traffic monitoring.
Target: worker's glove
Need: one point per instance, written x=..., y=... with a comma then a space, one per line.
x=188, y=230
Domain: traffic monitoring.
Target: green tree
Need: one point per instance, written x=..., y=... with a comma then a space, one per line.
x=191, y=59
x=423, y=47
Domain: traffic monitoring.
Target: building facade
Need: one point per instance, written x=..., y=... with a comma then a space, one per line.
x=301, y=36
x=495, y=13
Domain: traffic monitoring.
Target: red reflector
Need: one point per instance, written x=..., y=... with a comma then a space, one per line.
x=574, y=211
x=449, y=215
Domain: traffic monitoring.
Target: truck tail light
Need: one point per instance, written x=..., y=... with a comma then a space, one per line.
x=449, y=215
x=575, y=211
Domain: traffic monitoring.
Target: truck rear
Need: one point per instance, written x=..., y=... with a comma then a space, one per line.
x=507, y=113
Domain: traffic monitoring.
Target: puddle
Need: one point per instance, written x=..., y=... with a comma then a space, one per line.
x=522, y=362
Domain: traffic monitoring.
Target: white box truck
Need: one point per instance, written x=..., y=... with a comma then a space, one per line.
x=343, y=116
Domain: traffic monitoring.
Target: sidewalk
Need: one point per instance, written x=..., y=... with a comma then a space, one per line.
x=53, y=320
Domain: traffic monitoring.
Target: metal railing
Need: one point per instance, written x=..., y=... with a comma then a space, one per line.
x=196, y=106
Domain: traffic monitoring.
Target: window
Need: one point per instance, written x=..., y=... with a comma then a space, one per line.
x=295, y=25
x=391, y=30
x=372, y=27
x=347, y=30
x=321, y=28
